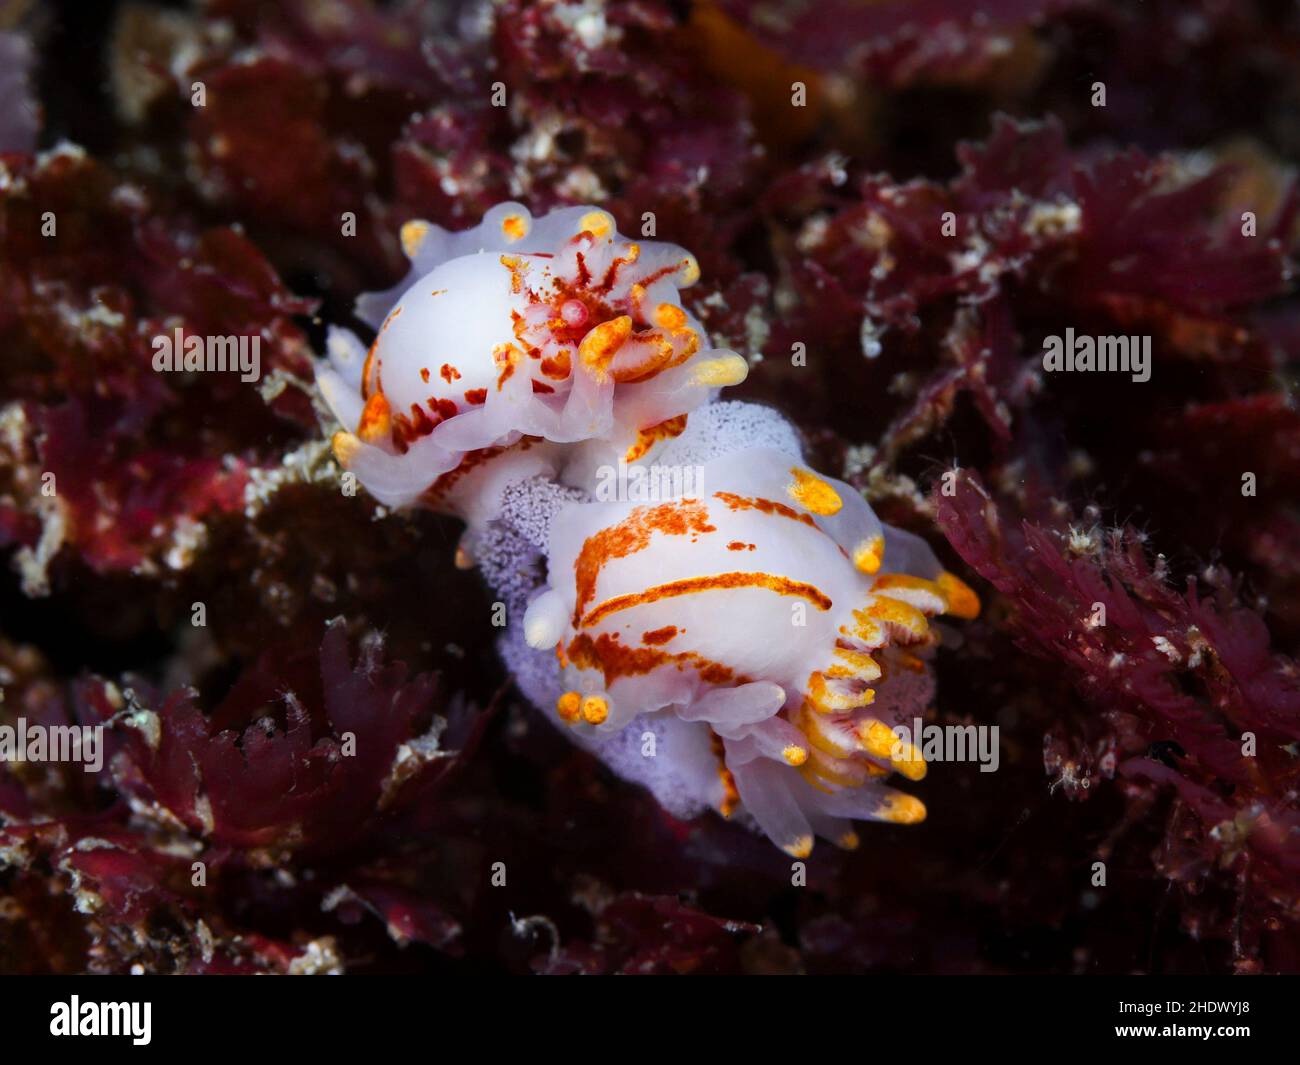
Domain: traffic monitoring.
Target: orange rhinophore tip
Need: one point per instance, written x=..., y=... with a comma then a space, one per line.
x=514, y=227
x=670, y=316
x=345, y=447
x=896, y=612
x=597, y=223
x=376, y=419
x=878, y=739
x=413, y=234
x=900, y=809
x=567, y=706
x=799, y=848
x=854, y=663
x=594, y=709
x=599, y=346
x=719, y=372
x=814, y=494
x=907, y=759
x=869, y=554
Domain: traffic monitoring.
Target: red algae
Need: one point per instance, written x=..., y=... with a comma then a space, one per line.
x=195, y=578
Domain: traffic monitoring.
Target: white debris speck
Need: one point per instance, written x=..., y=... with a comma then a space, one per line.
x=1167, y=649
x=585, y=19
x=187, y=538
x=319, y=958
x=857, y=458
x=869, y=336
x=33, y=563
x=812, y=233
x=1054, y=219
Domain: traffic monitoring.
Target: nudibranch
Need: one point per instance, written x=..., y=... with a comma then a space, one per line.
x=511, y=336
x=768, y=611
x=755, y=618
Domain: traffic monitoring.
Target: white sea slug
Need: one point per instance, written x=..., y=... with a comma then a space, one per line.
x=770, y=614
x=510, y=336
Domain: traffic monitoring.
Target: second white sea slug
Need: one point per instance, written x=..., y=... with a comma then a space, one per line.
x=769, y=609
x=551, y=330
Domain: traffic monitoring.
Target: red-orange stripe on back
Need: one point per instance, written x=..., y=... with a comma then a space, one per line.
x=715, y=582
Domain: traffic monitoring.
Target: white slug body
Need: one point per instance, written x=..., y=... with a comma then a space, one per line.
x=555, y=329
x=671, y=566
x=761, y=603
